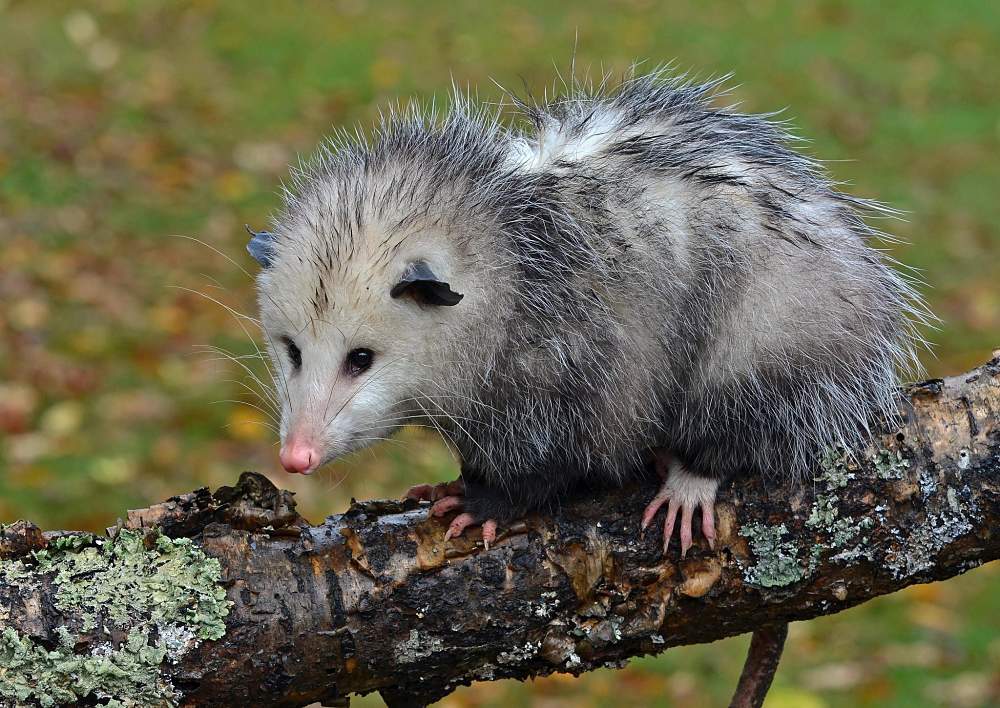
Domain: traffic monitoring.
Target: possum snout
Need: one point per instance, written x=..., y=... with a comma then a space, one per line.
x=336, y=397
x=323, y=420
x=299, y=456
x=327, y=424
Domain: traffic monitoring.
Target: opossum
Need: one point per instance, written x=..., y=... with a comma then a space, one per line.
x=622, y=277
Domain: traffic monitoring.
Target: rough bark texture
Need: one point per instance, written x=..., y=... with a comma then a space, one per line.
x=375, y=600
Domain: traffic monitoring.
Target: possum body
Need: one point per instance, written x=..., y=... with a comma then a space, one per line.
x=629, y=274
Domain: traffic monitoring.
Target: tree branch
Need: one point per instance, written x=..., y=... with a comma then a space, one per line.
x=375, y=600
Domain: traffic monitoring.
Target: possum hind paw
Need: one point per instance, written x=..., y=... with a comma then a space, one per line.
x=448, y=497
x=685, y=492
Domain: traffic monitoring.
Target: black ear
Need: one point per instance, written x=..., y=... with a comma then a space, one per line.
x=419, y=280
x=261, y=246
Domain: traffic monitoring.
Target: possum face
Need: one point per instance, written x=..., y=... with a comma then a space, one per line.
x=355, y=335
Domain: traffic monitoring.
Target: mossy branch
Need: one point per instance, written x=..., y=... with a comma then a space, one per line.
x=261, y=608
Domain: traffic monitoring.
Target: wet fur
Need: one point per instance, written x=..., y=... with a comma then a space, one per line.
x=640, y=268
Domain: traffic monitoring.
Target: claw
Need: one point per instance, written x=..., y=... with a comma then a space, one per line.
x=653, y=507
x=489, y=532
x=447, y=497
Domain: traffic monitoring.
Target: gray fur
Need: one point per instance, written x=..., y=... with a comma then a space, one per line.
x=641, y=269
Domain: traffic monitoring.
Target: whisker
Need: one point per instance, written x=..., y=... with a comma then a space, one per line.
x=350, y=398
x=245, y=403
x=448, y=441
x=273, y=412
x=241, y=268
x=333, y=386
x=486, y=455
x=239, y=317
x=231, y=310
x=251, y=422
x=227, y=355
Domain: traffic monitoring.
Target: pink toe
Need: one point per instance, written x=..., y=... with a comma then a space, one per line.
x=489, y=533
x=686, y=514
x=652, y=508
x=708, y=524
x=434, y=492
x=445, y=504
x=668, y=525
x=458, y=525
x=420, y=492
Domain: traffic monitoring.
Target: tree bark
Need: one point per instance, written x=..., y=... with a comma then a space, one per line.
x=374, y=599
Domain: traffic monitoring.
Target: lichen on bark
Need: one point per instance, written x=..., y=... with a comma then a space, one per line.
x=140, y=600
x=778, y=562
x=845, y=537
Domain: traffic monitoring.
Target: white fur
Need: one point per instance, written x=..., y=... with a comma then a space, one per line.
x=689, y=490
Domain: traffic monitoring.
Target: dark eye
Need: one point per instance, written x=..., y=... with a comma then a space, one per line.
x=294, y=353
x=358, y=361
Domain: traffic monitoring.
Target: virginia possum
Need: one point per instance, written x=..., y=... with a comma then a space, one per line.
x=630, y=276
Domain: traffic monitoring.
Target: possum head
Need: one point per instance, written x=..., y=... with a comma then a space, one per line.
x=356, y=328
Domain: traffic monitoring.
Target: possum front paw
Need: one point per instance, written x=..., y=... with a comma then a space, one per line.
x=448, y=497
x=686, y=492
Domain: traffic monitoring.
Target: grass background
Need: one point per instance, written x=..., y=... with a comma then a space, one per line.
x=126, y=126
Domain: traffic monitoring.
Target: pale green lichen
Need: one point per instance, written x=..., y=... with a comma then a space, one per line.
x=777, y=560
x=928, y=484
x=890, y=464
x=171, y=583
x=13, y=573
x=835, y=468
x=417, y=647
x=844, y=537
x=824, y=511
x=127, y=675
x=834, y=474
x=519, y=653
x=163, y=594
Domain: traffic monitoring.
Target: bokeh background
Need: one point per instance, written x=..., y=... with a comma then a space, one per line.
x=130, y=129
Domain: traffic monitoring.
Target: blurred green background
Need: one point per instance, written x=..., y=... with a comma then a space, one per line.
x=127, y=126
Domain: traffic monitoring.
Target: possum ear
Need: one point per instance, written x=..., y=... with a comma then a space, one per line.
x=419, y=280
x=261, y=246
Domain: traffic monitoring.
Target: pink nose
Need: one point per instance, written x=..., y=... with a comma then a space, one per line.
x=298, y=456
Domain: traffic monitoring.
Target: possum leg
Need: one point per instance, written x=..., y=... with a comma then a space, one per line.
x=448, y=497
x=685, y=492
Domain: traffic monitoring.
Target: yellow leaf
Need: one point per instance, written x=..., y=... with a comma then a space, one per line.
x=62, y=418
x=784, y=697
x=232, y=186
